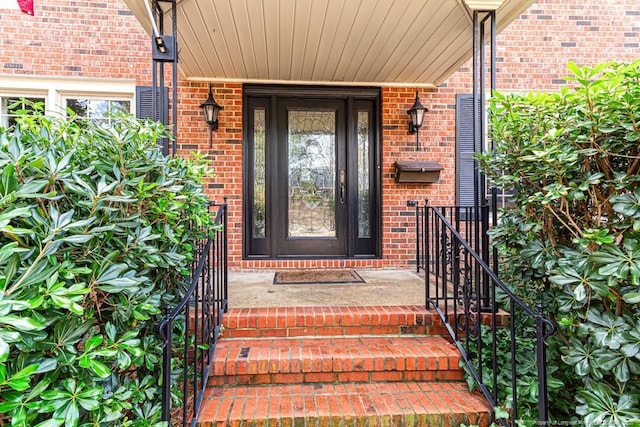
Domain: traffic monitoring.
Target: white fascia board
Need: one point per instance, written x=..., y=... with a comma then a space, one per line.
x=484, y=5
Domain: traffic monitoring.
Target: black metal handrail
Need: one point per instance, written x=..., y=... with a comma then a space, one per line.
x=198, y=316
x=463, y=217
x=473, y=304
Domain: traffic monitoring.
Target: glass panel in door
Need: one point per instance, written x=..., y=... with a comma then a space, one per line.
x=259, y=176
x=311, y=163
x=364, y=208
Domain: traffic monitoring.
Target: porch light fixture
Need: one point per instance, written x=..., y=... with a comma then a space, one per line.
x=210, y=109
x=160, y=45
x=163, y=48
x=416, y=113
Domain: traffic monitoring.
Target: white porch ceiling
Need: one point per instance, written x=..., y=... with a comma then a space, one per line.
x=364, y=42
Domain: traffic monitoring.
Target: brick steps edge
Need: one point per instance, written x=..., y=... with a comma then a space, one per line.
x=331, y=321
x=341, y=359
x=397, y=404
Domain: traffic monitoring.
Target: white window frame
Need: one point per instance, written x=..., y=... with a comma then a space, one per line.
x=66, y=97
x=56, y=90
x=20, y=94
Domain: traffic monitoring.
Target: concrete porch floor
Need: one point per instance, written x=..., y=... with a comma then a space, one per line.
x=382, y=287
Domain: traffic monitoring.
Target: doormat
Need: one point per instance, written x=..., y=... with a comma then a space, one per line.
x=313, y=276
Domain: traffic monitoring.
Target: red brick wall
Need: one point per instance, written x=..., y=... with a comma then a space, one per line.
x=226, y=154
x=75, y=39
x=437, y=144
x=102, y=39
x=534, y=50
x=397, y=144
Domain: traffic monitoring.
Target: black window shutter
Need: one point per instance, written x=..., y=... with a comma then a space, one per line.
x=465, y=167
x=144, y=110
x=144, y=105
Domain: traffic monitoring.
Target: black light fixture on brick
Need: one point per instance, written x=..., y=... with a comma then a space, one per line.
x=210, y=109
x=416, y=113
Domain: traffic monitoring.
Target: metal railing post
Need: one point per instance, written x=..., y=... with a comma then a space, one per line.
x=225, y=238
x=486, y=303
x=165, y=330
x=427, y=252
x=455, y=255
x=541, y=348
x=418, y=239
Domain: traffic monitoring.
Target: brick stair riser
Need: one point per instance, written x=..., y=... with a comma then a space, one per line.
x=433, y=330
x=335, y=377
x=291, y=322
x=365, y=358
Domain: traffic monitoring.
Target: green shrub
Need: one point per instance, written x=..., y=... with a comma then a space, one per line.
x=573, y=238
x=95, y=239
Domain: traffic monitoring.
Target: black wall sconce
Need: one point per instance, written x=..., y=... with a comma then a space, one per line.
x=210, y=109
x=416, y=113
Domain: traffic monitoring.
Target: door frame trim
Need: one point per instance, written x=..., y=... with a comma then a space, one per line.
x=271, y=93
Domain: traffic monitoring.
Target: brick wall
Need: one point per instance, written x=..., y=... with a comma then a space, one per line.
x=75, y=39
x=437, y=144
x=397, y=144
x=226, y=154
x=533, y=51
x=102, y=39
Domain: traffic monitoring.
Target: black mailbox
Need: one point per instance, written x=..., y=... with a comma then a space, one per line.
x=418, y=172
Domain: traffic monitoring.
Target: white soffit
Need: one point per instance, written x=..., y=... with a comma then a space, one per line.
x=365, y=42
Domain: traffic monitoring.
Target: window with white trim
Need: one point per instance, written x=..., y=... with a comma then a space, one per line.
x=92, y=99
x=99, y=110
x=12, y=106
x=89, y=99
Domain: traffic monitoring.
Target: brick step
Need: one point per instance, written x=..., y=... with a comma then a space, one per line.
x=335, y=359
x=334, y=366
x=370, y=404
x=332, y=321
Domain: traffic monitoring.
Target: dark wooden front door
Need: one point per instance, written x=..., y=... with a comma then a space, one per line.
x=311, y=189
x=311, y=175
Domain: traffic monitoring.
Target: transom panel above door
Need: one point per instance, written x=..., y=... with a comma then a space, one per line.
x=311, y=172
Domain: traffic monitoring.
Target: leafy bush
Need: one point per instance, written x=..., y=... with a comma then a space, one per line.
x=525, y=373
x=95, y=239
x=573, y=238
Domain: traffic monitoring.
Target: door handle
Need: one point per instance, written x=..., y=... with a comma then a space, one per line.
x=342, y=187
